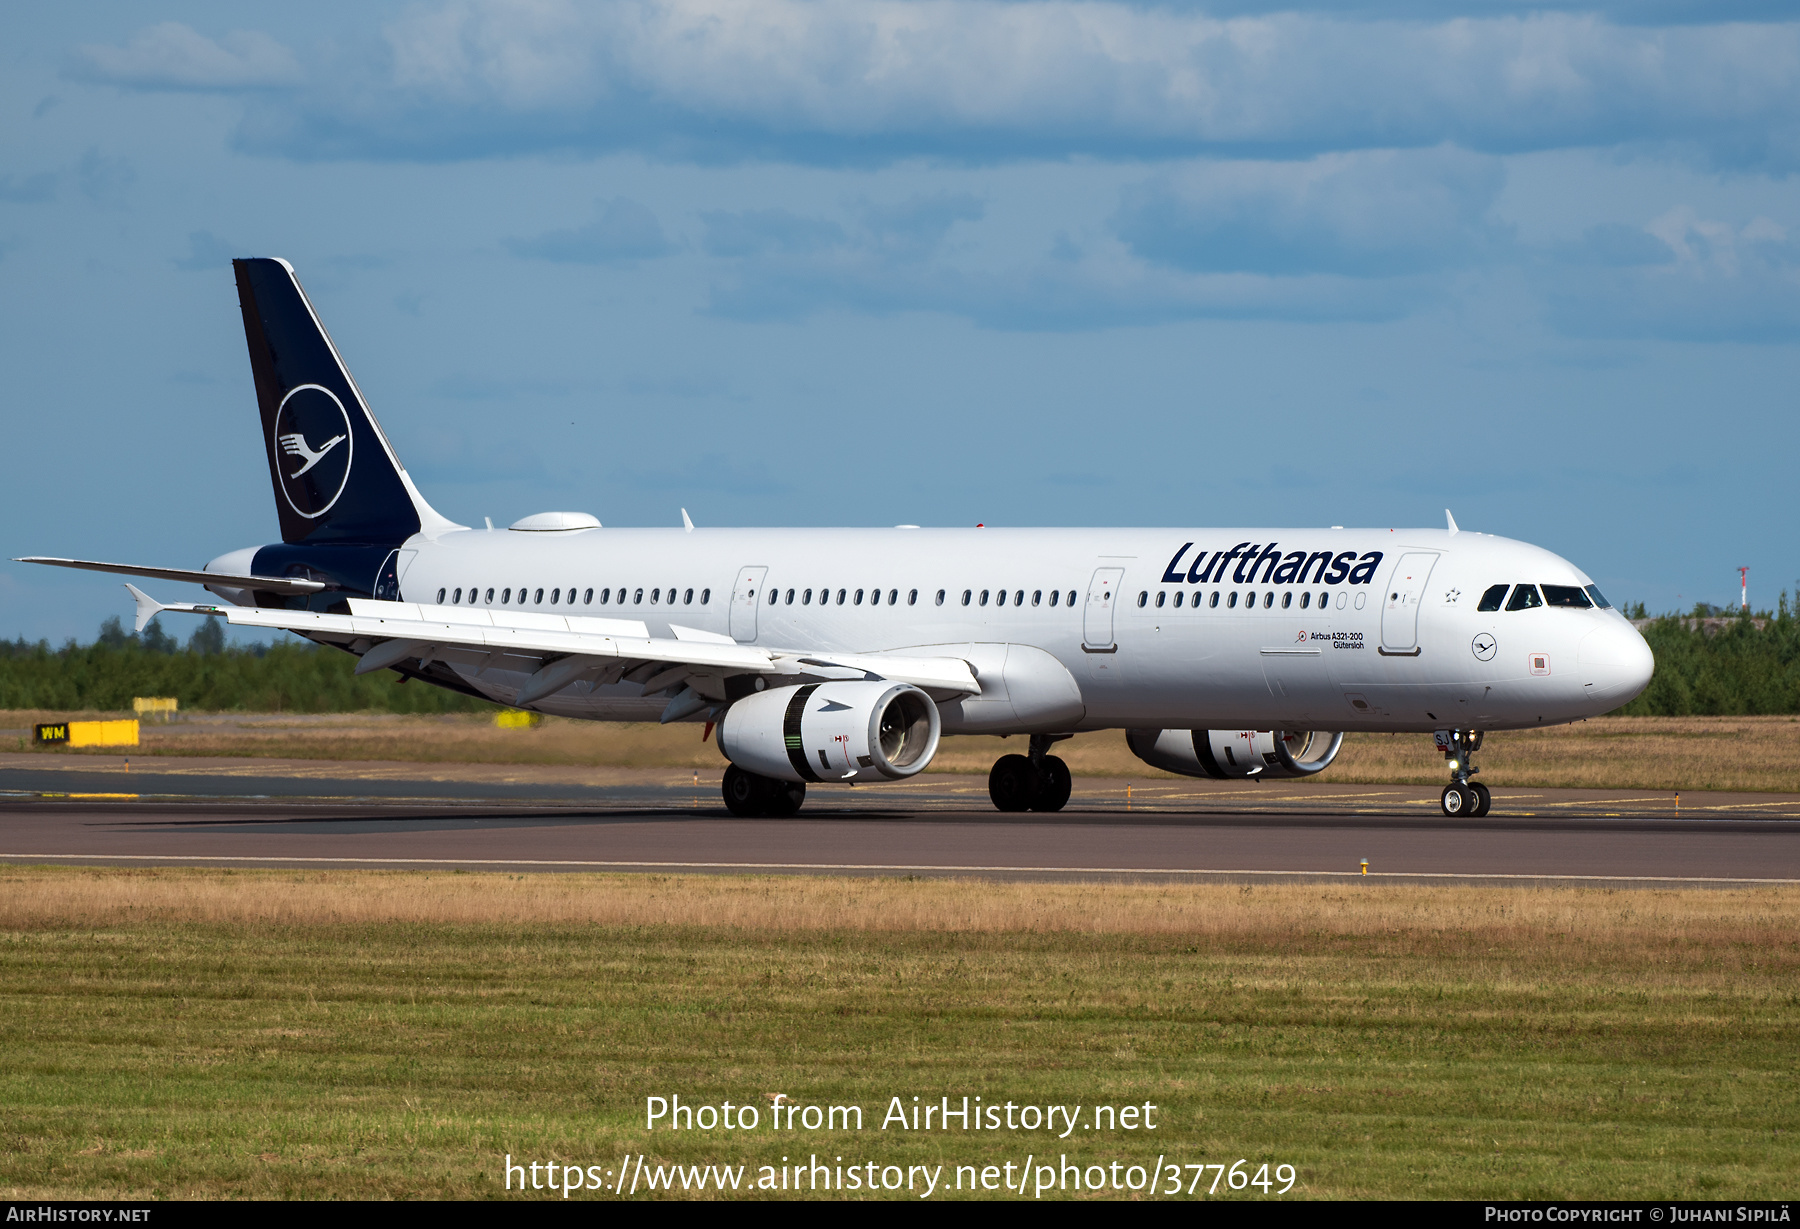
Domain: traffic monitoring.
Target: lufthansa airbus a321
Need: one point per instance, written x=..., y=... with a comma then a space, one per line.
x=842, y=655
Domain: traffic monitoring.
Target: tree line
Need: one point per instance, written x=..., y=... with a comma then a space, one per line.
x=1719, y=663
x=1705, y=665
x=207, y=674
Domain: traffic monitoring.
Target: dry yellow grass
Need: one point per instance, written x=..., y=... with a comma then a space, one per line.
x=1676, y=753
x=36, y=897
x=280, y=1035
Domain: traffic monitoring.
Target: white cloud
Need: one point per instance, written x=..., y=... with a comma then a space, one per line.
x=1367, y=214
x=172, y=56
x=869, y=80
x=1692, y=278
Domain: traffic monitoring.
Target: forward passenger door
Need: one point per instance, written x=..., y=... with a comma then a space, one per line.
x=1400, y=614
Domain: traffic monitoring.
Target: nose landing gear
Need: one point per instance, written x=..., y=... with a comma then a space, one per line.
x=1038, y=782
x=1463, y=797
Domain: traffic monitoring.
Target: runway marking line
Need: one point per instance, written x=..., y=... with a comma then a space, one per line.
x=858, y=866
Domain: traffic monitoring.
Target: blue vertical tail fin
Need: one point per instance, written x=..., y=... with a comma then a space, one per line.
x=336, y=477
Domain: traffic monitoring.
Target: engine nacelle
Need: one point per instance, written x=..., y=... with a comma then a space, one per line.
x=1236, y=754
x=857, y=731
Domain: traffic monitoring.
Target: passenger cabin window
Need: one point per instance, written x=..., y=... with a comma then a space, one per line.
x=912, y=597
x=1491, y=600
x=1144, y=598
x=1215, y=599
x=1566, y=595
x=1054, y=595
x=1071, y=600
x=588, y=598
x=966, y=595
x=490, y=595
x=705, y=596
x=1524, y=598
x=940, y=597
x=1593, y=591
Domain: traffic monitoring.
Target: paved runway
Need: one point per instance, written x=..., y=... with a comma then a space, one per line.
x=660, y=820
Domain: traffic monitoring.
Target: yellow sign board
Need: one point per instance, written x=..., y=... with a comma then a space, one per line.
x=166, y=706
x=517, y=719
x=89, y=733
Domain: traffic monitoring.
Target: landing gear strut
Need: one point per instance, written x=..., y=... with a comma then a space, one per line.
x=1463, y=797
x=1037, y=782
x=750, y=796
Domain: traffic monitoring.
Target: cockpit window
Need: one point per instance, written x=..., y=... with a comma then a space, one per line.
x=1492, y=598
x=1566, y=595
x=1524, y=598
x=1593, y=591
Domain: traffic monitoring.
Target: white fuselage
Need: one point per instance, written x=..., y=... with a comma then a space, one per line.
x=1313, y=635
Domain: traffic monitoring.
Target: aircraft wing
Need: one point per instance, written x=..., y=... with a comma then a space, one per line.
x=563, y=649
x=269, y=584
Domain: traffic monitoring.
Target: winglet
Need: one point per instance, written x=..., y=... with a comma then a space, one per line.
x=687, y=521
x=1453, y=529
x=147, y=607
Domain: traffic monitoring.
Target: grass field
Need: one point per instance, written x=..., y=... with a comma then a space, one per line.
x=1673, y=753
x=207, y=1033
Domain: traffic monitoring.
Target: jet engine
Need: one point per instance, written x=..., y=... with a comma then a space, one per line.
x=853, y=731
x=1236, y=754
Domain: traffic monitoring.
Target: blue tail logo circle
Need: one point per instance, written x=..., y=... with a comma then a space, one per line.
x=313, y=447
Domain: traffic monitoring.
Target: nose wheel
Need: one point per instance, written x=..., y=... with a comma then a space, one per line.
x=1463, y=798
x=1471, y=800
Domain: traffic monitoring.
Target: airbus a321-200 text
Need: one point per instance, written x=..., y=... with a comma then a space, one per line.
x=842, y=655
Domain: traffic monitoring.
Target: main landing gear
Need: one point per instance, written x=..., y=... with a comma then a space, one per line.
x=1463, y=797
x=1036, y=782
x=750, y=796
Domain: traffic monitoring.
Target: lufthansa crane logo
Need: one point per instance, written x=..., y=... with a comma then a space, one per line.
x=313, y=449
x=1483, y=647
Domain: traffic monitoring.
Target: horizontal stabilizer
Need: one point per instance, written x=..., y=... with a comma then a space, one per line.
x=269, y=584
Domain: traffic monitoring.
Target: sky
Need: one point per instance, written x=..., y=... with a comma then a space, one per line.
x=860, y=262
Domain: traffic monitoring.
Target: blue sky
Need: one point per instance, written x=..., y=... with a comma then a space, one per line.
x=867, y=262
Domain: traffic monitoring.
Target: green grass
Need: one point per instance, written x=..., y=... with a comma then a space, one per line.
x=152, y=1052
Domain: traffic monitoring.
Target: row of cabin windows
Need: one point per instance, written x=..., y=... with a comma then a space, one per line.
x=684, y=597
x=1526, y=597
x=845, y=596
x=1230, y=599
x=856, y=597
x=1018, y=597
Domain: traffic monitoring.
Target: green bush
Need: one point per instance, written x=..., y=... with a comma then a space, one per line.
x=206, y=675
x=1722, y=666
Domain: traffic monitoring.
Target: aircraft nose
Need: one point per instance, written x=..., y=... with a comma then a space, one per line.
x=1616, y=661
